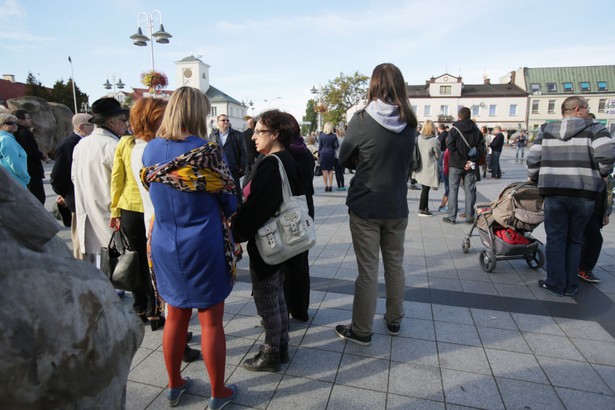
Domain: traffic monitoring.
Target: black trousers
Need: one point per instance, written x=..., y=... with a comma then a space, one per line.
x=133, y=227
x=592, y=243
x=339, y=173
x=424, y=199
x=296, y=272
x=38, y=190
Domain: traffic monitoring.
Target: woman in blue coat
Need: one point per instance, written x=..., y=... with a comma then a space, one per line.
x=193, y=192
x=327, y=145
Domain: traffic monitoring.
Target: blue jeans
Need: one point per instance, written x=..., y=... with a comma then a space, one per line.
x=454, y=179
x=496, y=172
x=565, y=220
x=520, y=149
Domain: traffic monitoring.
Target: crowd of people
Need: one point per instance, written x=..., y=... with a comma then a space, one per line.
x=185, y=198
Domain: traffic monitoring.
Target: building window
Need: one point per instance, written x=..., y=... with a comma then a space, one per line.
x=445, y=90
x=444, y=110
x=552, y=87
x=567, y=87
x=427, y=111
x=535, y=106
x=475, y=110
x=513, y=110
x=601, y=104
x=214, y=111
x=492, y=110
x=414, y=109
x=602, y=86
x=584, y=86
x=535, y=87
x=551, y=108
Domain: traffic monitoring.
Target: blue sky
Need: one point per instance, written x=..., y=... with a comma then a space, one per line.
x=261, y=50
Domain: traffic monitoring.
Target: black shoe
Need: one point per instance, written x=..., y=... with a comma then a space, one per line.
x=157, y=324
x=448, y=220
x=346, y=333
x=284, y=358
x=414, y=187
x=543, y=285
x=188, y=337
x=470, y=221
x=301, y=317
x=190, y=355
x=571, y=292
x=425, y=212
x=392, y=329
x=263, y=362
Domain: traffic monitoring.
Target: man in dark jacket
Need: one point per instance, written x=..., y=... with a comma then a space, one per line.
x=463, y=136
x=250, y=148
x=234, y=148
x=61, y=181
x=442, y=135
x=496, y=150
x=26, y=139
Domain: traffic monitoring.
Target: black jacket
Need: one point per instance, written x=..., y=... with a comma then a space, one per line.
x=60, y=180
x=251, y=151
x=458, y=150
x=26, y=139
x=234, y=149
x=498, y=142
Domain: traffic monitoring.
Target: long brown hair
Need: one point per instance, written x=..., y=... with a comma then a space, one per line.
x=387, y=84
x=145, y=117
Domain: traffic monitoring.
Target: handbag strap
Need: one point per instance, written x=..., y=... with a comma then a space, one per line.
x=286, y=192
x=461, y=135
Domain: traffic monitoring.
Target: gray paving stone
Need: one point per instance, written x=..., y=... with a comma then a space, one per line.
x=537, y=324
x=139, y=356
x=457, y=333
x=237, y=349
x=584, y=329
x=464, y=358
x=416, y=328
x=518, y=366
x=363, y=372
x=445, y=284
x=298, y=394
x=596, y=352
x=324, y=338
x=572, y=374
x=345, y=397
x=416, y=381
x=503, y=339
x=244, y=326
x=552, y=346
x=150, y=371
x=331, y=317
x=396, y=402
x=139, y=395
x=607, y=373
x=188, y=401
x=315, y=364
x=500, y=276
x=380, y=347
x=576, y=399
x=417, y=281
x=493, y=318
x=234, y=303
x=473, y=274
x=418, y=310
x=452, y=314
x=255, y=389
x=513, y=291
x=484, y=288
x=471, y=389
x=414, y=351
x=518, y=394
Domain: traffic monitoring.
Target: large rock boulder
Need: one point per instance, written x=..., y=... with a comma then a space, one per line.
x=64, y=122
x=43, y=120
x=66, y=339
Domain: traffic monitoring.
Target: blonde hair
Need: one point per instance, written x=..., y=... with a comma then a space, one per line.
x=428, y=128
x=327, y=128
x=340, y=131
x=186, y=112
x=4, y=117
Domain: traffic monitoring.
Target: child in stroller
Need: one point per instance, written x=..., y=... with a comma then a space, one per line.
x=505, y=227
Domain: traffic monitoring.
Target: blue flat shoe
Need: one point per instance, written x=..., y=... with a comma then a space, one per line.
x=217, y=404
x=173, y=394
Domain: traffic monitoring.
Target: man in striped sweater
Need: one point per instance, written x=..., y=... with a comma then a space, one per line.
x=569, y=160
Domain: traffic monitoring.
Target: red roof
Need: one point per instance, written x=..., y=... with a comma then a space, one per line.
x=9, y=89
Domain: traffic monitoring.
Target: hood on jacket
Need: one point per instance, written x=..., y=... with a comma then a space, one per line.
x=567, y=128
x=386, y=115
x=465, y=125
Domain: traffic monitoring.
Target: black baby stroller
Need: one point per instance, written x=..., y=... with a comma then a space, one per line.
x=505, y=227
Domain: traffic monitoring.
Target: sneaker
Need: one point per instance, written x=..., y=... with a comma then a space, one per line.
x=588, y=276
x=393, y=329
x=413, y=187
x=173, y=394
x=543, y=285
x=448, y=220
x=345, y=332
x=443, y=209
x=217, y=404
x=424, y=213
x=571, y=292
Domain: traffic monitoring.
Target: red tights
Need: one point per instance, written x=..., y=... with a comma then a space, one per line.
x=213, y=345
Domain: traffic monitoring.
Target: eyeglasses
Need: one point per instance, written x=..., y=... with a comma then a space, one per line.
x=224, y=120
x=258, y=132
x=584, y=106
x=10, y=123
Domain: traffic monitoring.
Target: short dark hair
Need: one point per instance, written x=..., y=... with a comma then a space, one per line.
x=464, y=113
x=20, y=114
x=278, y=121
x=571, y=103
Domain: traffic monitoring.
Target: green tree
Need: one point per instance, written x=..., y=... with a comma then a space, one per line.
x=342, y=93
x=35, y=88
x=310, y=116
x=63, y=93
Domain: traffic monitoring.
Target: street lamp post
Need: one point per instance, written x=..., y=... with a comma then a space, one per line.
x=161, y=36
x=119, y=84
x=318, y=93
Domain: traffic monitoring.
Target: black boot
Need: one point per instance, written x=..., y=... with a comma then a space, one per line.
x=190, y=355
x=263, y=362
x=284, y=358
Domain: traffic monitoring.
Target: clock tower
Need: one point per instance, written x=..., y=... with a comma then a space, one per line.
x=192, y=72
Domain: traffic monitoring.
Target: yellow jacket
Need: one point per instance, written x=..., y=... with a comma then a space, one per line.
x=124, y=189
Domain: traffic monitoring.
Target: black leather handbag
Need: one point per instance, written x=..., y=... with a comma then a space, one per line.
x=120, y=263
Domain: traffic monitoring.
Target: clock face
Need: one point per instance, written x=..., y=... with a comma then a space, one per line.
x=187, y=73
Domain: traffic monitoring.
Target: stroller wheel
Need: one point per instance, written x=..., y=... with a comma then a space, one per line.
x=465, y=245
x=487, y=260
x=537, y=260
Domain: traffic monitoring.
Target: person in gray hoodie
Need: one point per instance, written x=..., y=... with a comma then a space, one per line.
x=569, y=160
x=379, y=143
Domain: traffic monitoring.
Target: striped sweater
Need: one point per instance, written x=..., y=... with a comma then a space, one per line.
x=571, y=157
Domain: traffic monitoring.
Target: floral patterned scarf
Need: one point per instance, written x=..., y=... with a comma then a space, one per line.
x=201, y=170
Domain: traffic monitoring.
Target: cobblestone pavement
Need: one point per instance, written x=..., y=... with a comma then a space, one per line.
x=470, y=339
